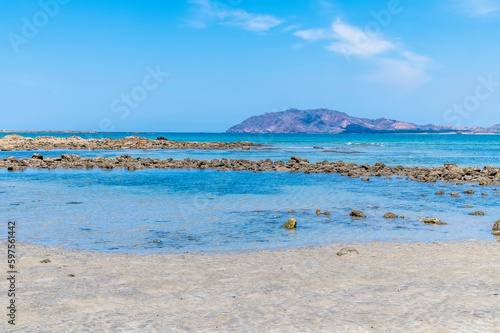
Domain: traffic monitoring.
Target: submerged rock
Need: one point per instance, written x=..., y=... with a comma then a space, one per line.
x=290, y=224
x=479, y=212
x=356, y=213
x=390, y=215
x=346, y=250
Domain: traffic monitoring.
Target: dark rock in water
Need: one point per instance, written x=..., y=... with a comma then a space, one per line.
x=496, y=228
x=45, y=261
x=318, y=148
x=468, y=192
x=366, y=179
x=346, y=250
x=390, y=215
x=423, y=195
x=440, y=193
x=326, y=213
x=433, y=221
x=74, y=203
x=484, y=194
x=161, y=138
x=479, y=212
x=455, y=195
x=357, y=213
x=290, y=224
x=37, y=156
x=459, y=183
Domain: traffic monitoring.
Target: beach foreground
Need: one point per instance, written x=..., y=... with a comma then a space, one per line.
x=417, y=287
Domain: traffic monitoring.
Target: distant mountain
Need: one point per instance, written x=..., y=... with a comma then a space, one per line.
x=329, y=121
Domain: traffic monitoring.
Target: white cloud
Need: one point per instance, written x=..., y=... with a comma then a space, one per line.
x=480, y=7
x=223, y=13
x=392, y=63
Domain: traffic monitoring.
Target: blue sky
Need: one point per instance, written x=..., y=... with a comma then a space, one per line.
x=201, y=65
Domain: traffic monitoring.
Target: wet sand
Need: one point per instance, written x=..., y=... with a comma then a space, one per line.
x=387, y=287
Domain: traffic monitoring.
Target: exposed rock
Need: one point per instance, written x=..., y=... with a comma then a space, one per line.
x=440, y=193
x=433, y=221
x=467, y=206
x=356, y=213
x=390, y=215
x=45, y=261
x=318, y=212
x=290, y=224
x=295, y=164
x=455, y=195
x=291, y=211
x=496, y=228
x=484, y=194
x=366, y=179
x=423, y=195
x=468, y=192
x=346, y=250
x=479, y=212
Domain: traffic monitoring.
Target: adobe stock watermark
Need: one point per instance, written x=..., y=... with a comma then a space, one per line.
x=123, y=105
x=369, y=34
x=471, y=103
x=221, y=7
x=31, y=26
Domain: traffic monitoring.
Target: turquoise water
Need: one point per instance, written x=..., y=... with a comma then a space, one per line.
x=391, y=149
x=174, y=211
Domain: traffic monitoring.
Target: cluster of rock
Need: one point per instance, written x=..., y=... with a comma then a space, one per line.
x=449, y=172
x=17, y=142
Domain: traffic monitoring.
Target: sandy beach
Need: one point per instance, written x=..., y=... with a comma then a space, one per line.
x=387, y=287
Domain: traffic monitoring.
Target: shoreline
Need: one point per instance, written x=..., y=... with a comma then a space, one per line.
x=449, y=172
x=416, y=287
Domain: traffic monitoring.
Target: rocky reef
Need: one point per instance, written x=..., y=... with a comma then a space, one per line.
x=449, y=172
x=18, y=142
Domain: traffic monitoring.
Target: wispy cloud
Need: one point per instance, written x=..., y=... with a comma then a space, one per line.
x=219, y=12
x=392, y=63
x=480, y=7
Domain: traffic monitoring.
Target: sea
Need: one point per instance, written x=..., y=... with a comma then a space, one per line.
x=178, y=211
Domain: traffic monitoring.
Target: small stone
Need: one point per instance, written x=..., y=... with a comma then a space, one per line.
x=468, y=192
x=467, y=206
x=37, y=156
x=326, y=213
x=375, y=207
x=318, y=212
x=45, y=261
x=366, y=179
x=290, y=224
x=357, y=213
x=423, y=195
x=479, y=212
x=157, y=241
x=496, y=228
x=71, y=275
x=440, y=192
x=390, y=215
x=291, y=211
x=443, y=186
x=484, y=194
x=346, y=250
x=459, y=183
x=433, y=221
x=455, y=195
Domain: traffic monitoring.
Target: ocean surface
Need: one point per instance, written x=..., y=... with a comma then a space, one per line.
x=174, y=211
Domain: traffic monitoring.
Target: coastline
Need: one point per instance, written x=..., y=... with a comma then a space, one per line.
x=418, y=287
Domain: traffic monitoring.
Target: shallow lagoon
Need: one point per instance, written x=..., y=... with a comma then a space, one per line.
x=173, y=211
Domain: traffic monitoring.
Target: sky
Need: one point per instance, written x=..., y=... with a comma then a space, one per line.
x=206, y=65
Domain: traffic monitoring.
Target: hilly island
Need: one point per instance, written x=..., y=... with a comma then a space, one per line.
x=331, y=122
